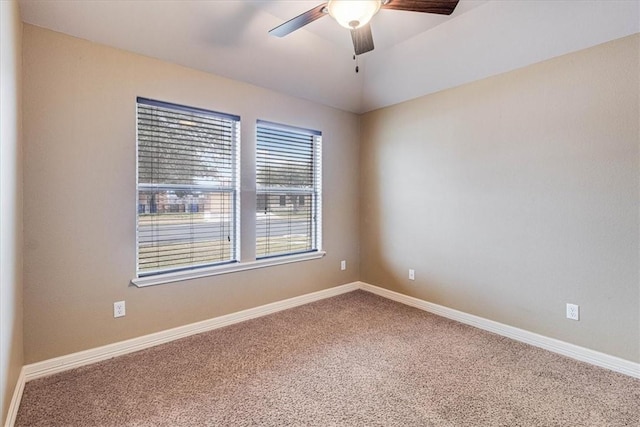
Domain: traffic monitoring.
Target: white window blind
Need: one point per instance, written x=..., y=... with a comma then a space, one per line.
x=188, y=198
x=288, y=189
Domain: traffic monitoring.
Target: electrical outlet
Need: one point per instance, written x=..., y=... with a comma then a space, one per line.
x=343, y=265
x=118, y=309
x=573, y=311
x=412, y=274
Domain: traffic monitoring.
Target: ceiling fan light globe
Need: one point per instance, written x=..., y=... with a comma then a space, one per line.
x=353, y=14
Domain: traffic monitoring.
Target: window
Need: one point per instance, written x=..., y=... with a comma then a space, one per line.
x=188, y=201
x=288, y=189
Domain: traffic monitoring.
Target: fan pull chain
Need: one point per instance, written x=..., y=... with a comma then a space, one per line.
x=355, y=58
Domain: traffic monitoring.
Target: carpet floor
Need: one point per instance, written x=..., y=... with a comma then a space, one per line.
x=353, y=360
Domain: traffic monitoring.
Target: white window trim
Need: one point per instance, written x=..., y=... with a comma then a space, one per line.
x=179, y=276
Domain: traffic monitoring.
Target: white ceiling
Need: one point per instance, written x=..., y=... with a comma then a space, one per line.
x=416, y=54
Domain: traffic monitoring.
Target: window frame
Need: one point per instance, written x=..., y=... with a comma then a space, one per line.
x=315, y=191
x=233, y=189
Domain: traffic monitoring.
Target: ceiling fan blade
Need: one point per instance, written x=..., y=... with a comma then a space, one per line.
x=362, y=39
x=300, y=21
x=441, y=7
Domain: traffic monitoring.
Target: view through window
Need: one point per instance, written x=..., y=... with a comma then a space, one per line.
x=288, y=189
x=187, y=187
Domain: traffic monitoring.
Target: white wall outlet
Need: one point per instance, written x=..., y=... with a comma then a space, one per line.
x=343, y=265
x=118, y=309
x=573, y=311
x=412, y=274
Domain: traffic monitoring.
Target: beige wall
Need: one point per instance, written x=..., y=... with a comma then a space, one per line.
x=509, y=197
x=11, y=355
x=80, y=195
x=514, y=195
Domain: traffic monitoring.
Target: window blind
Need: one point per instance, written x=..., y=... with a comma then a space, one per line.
x=288, y=189
x=187, y=187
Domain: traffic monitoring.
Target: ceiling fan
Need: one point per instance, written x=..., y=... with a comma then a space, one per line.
x=356, y=14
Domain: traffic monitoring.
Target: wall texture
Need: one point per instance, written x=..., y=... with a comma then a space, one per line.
x=514, y=195
x=80, y=195
x=11, y=349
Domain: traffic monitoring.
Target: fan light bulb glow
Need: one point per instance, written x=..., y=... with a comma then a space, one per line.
x=353, y=14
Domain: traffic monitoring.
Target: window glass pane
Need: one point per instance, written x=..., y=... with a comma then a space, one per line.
x=184, y=228
x=284, y=229
x=184, y=148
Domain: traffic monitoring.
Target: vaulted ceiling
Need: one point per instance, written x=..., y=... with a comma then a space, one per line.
x=416, y=54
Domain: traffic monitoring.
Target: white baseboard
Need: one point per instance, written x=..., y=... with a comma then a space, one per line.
x=573, y=351
x=15, y=400
x=87, y=357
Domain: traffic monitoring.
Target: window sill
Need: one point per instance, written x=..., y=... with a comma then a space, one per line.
x=161, y=279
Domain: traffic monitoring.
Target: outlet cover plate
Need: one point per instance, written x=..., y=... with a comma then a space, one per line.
x=119, y=309
x=573, y=311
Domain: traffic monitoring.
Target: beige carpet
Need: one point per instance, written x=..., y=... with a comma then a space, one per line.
x=353, y=360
